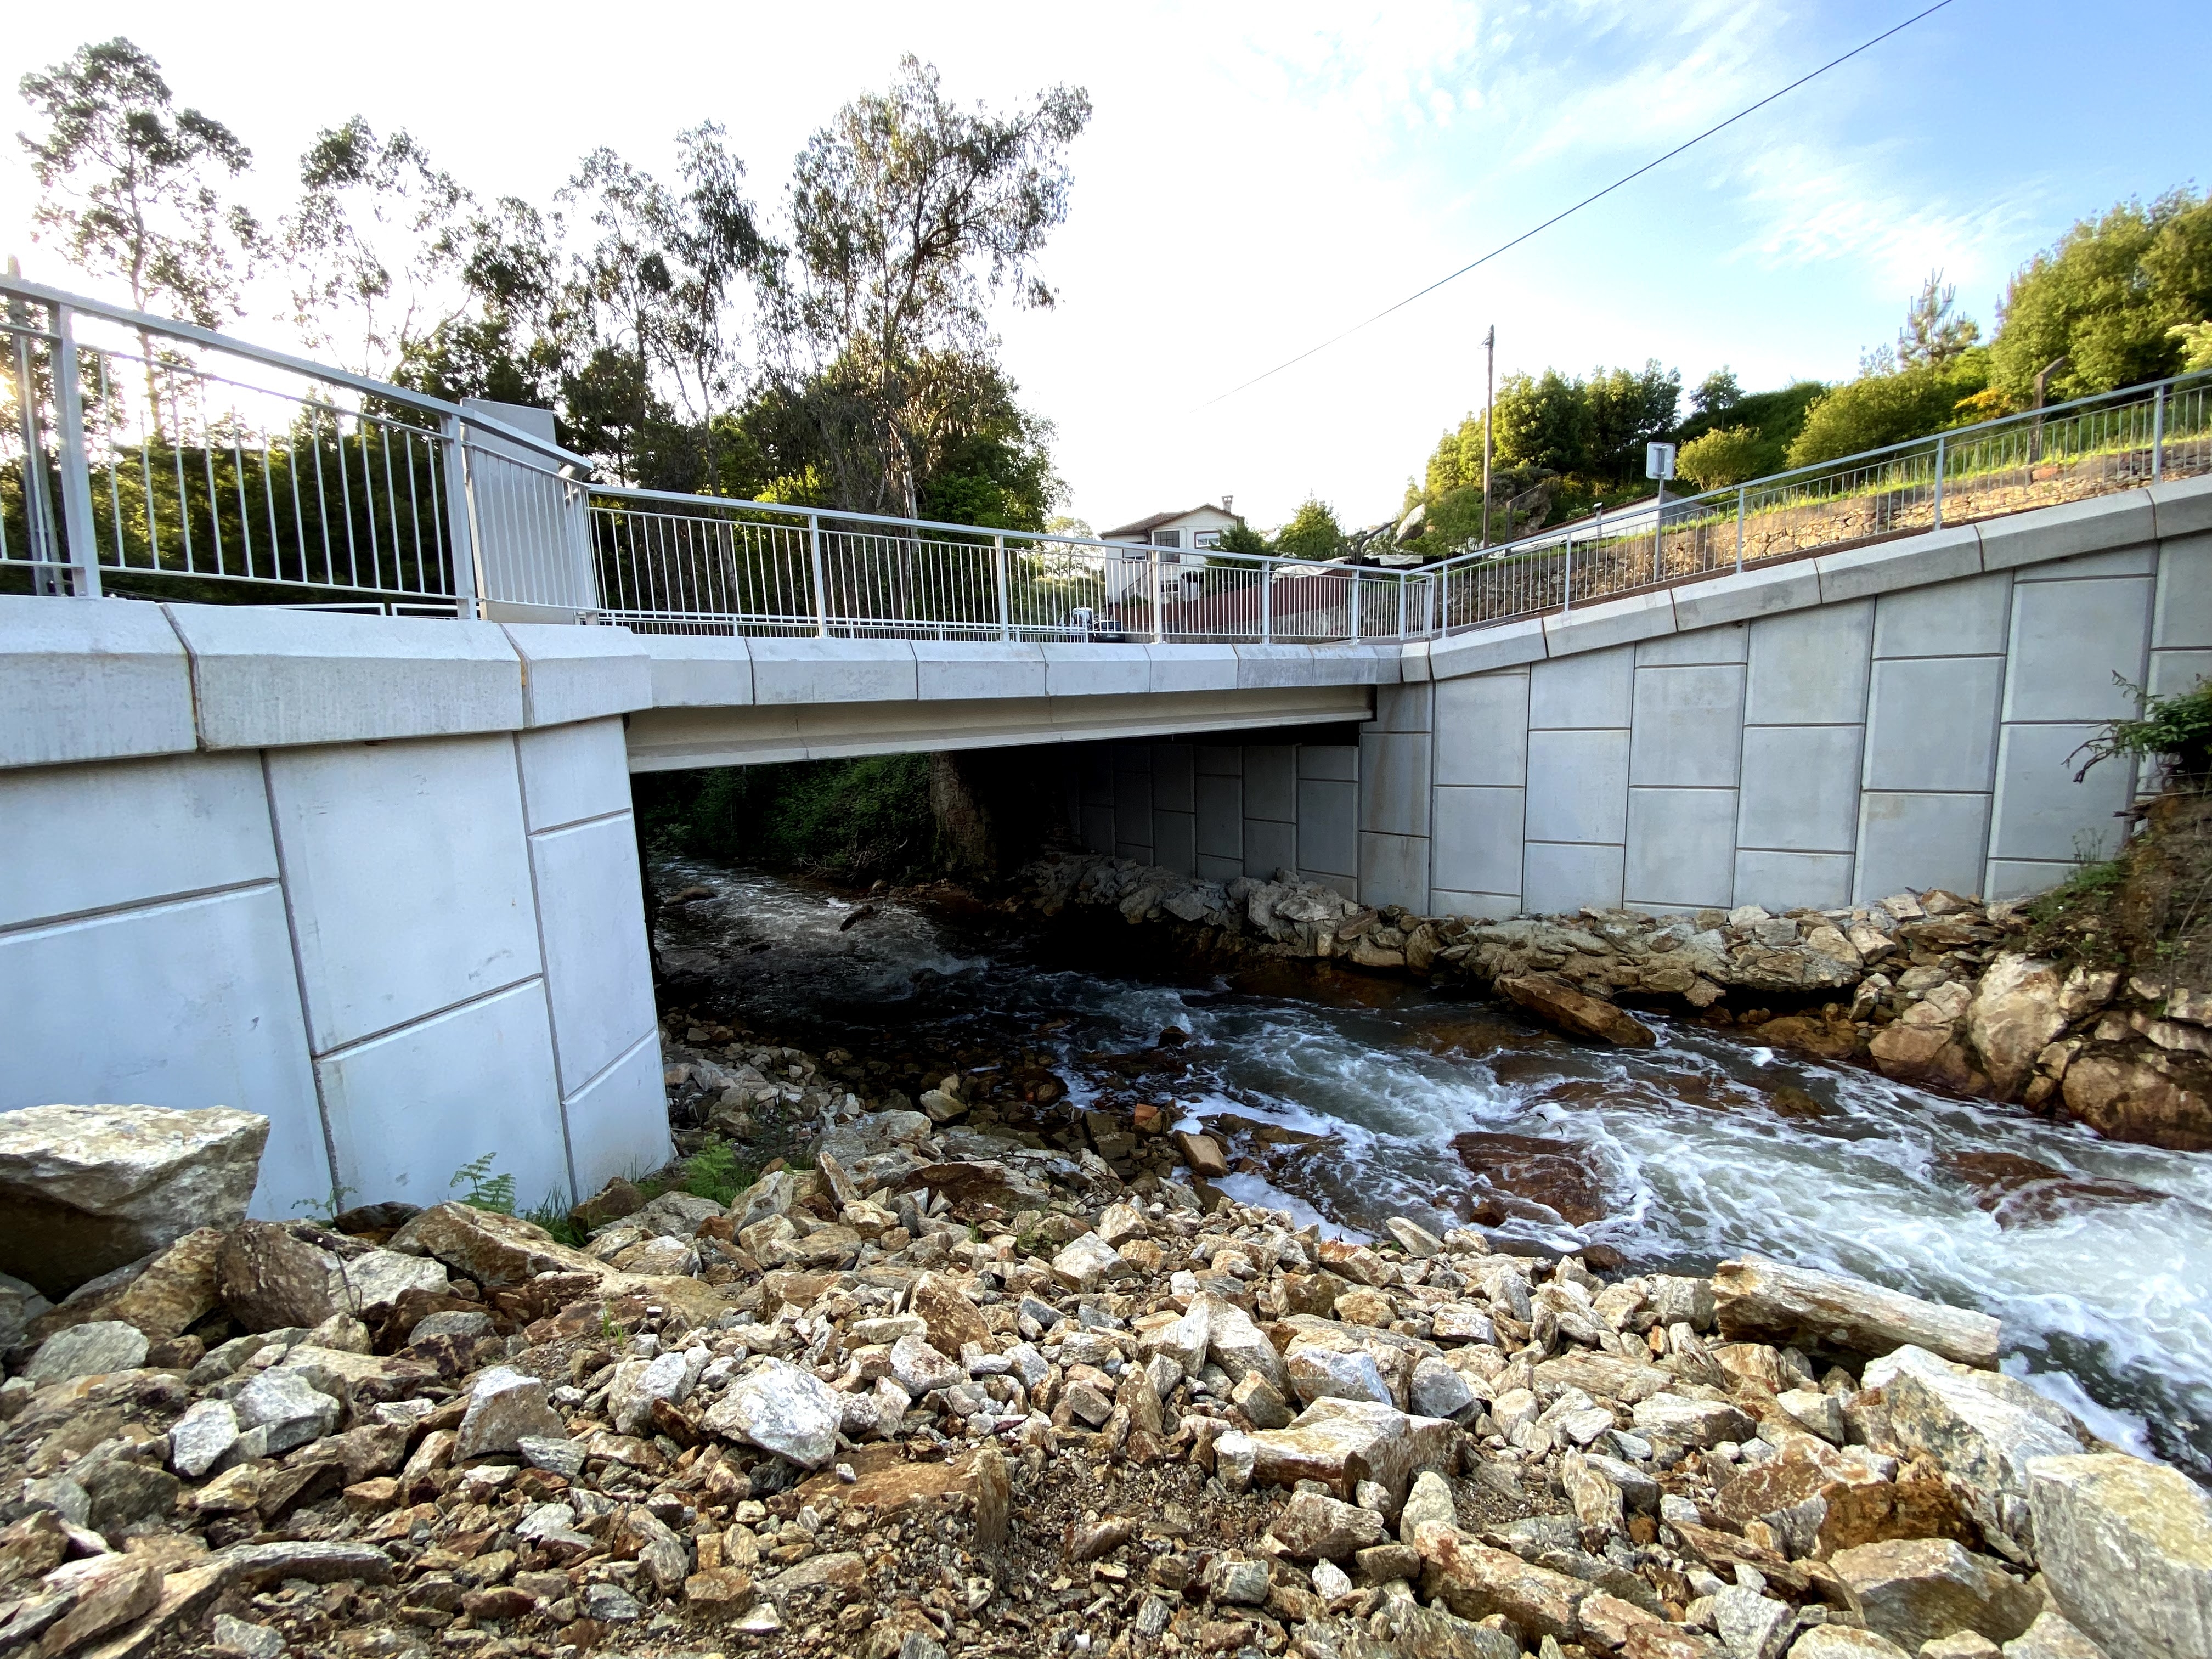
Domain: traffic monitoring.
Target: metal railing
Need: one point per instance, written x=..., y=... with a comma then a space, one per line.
x=142, y=455
x=2068, y=452
x=696, y=564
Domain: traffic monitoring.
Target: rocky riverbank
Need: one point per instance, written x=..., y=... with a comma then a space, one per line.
x=948, y=1392
x=1933, y=989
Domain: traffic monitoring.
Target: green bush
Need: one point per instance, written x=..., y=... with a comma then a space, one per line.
x=1878, y=410
x=1727, y=455
x=852, y=821
x=2177, y=727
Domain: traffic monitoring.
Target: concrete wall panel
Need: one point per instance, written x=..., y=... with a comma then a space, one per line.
x=1800, y=788
x=599, y=974
x=1782, y=881
x=2183, y=616
x=570, y=773
x=1220, y=816
x=1688, y=727
x=1809, y=668
x=1919, y=841
x=1681, y=847
x=1494, y=906
x=1172, y=772
x=1695, y=647
x=1563, y=877
x=187, y=1004
x=2067, y=637
x=1482, y=730
x=1577, y=786
x=1175, y=840
x=1393, y=870
x=1337, y=761
x=1269, y=847
x=84, y=838
x=410, y=890
x=1328, y=827
x=1592, y=689
x=1402, y=708
x=1477, y=839
x=1931, y=724
x=617, y=1122
x=1951, y=619
x=2040, y=812
x=408, y=1109
x=1271, y=782
x=1394, y=784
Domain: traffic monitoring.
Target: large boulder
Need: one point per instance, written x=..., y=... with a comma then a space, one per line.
x=2123, y=1097
x=1342, y=1443
x=1914, y=1590
x=86, y=1189
x=1558, y=1003
x=2126, y=1548
x=1982, y=1428
x=781, y=1409
x=1766, y=1301
x=2015, y=1012
x=494, y=1250
x=270, y=1279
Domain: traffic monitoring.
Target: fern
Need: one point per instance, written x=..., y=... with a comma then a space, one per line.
x=713, y=1172
x=486, y=1191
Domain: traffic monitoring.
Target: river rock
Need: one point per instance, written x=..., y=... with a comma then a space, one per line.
x=1765, y=1301
x=287, y=1411
x=674, y=1215
x=271, y=1280
x=505, y=1408
x=1751, y=1625
x=2128, y=1100
x=1691, y=1422
x=1203, y=1154
x=1475, y=1581
x=1316, y=1527
x=1913, y=1590
x=949, y=1319
x=2050, y=1637
x=162, y=1296
x=1982, y=1428
x=1335, y=1371
x=2016, y=1011
x=370, y=1285
x=1844, y=1641
x=2126, y=1548
x=781, y=1409
x=1823, y=1501
x=1342, y=1443
x=91, y=1349
x=1532, y=1176
x=202, y=1437
x=494, y=1250
x=1558, y=1003
x=1086, y=1263
x=638, y=1384
x=1238, y=1345
x=1436, y=1390
x=86, y=1189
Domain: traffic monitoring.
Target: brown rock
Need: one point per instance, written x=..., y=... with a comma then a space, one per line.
x=1313, y=1528
x=2016, y=1011
x=1770, y=1301
x=31, y=1548
x=1203, y=1153
x=720, y=1590
x=111, y=1590
x=1535, y=1178
x=2129, y=1101
x=270, y=1281
x=979, y=1485
x=2021, y=1192
x=1913, y=1590
x=1559, y=1003
x=617, y=1198
x=1826, y=1502
x=1342, y=1443
x=1475, y=1581
x=492, y=1249
x=951, y=1320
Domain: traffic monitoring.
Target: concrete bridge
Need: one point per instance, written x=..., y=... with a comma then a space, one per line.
x=376, y=877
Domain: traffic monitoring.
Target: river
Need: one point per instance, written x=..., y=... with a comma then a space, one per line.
x=1703, y=1147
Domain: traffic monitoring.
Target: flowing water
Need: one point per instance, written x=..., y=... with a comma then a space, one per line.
x=1699, y=1149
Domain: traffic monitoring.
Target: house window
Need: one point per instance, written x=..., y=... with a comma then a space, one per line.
x=1206, y=538
x=1167, y=538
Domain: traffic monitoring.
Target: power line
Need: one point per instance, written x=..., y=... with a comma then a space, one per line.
x=1625, y=178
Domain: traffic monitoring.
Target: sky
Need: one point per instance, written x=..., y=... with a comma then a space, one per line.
x=1258, y=178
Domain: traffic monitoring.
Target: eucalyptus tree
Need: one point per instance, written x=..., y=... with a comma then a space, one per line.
x=909, y=215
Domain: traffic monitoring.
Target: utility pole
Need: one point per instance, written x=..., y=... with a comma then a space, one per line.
x=1489, y=408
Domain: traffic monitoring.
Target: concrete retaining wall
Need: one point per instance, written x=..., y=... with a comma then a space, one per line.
x=1815, y=733
x=374, y=878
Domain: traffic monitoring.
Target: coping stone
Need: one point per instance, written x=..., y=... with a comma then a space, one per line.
x=90, y=679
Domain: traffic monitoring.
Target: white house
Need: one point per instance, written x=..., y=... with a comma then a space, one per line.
x=1183, y=539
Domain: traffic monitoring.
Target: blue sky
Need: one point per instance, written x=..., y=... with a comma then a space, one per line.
x=1258, y=177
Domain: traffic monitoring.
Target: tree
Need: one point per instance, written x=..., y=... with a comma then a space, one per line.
x=125, y=182
x=1717, y=393
x=1312, y=533
x=1727, y=455
x=373, y=246
x=909, y=215
x=1932, y=335
x=1628, y=408
x=1243, y=538
x=2105, y=300
x=1543, y=422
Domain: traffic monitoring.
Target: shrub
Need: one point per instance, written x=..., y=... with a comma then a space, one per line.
x=1727, y=455
x=2177, y=727
x=1878, y=410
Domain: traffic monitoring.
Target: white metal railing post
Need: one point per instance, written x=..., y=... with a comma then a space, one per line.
x=1266, y=601
x=1153, y=567
x=2158, y=434
x=46, y=556
x=1352, y=633
x=821, y=589
x=1006, y=610
x=1939, y=481
x=1401, y=605
x=76, y=470
x=1741, y=491
x=460, y=520
x=1567, y=588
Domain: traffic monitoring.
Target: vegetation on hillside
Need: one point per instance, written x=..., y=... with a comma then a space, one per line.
x=852, y=822
x=2120, y=298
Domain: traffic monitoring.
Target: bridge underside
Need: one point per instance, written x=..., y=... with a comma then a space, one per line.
x=669, y=739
